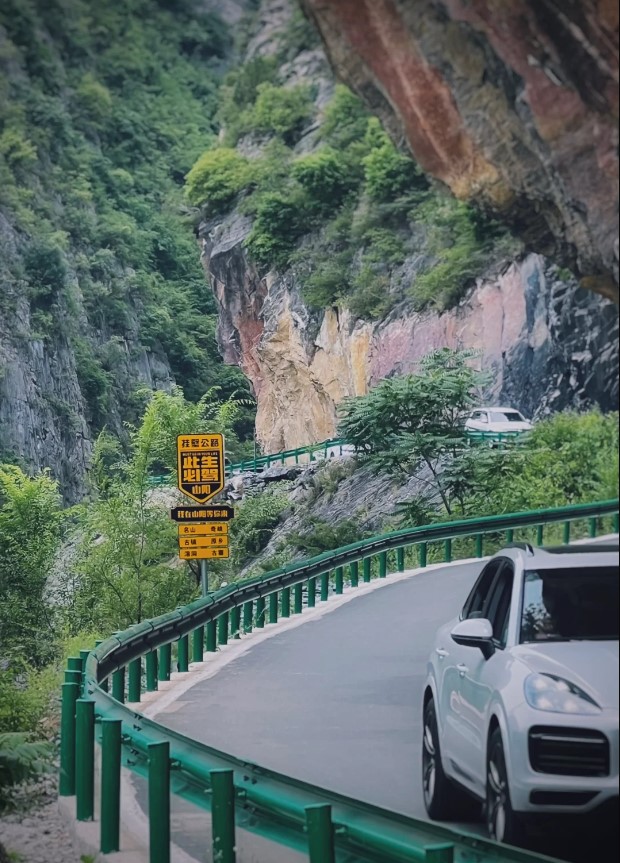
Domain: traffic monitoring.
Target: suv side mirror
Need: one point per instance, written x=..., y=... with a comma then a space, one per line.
x=476, y=632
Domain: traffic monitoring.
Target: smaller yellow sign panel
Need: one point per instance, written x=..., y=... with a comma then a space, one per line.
x=203, y=529
x=200, y=465
x=203, y=553
x=203, y=542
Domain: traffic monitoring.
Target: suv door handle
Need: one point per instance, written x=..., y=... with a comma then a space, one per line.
x=462, y=669
x=441, y=653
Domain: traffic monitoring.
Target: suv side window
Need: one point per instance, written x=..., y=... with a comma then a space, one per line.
x=474, y=604
x=497, y=608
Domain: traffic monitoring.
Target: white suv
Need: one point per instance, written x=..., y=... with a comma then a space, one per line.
x=521, y=698
x=498, y=420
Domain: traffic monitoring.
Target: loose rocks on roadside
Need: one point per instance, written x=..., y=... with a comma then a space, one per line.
x=38, y=835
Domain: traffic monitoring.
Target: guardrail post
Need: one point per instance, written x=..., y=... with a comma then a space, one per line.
x=311, y=592
x=423, y=554
x=615, y=523
x=439, y=853
x=400, y=559
x=150, y=661
x=248, y=613
x=118, y=685
x=285, y=602
x=339, y=579
x=354, y=573
x=74, y=663
x=320, y=833
x=478, y=545
x=70, y=695
x=163, y=665
x=223, y=816
x=297, y=598
x=383, y=564
x=159, y=802
x=85, y=759
x=324, y=586
x=211, y=636
x=366, y=569
x=235, y=622
x=260, y=612
x=198, y=640
x=183, y=653
x=273, y=607
x=510, y=535
x=592, y=527
x=539, y=534
x=566, y=533
x=83, y=657
x=447, y=550
x=110, y=784
x=73, y=677
x=222, y=628
x=134, y=682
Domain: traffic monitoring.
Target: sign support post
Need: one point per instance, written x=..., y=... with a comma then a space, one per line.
x=204, y=577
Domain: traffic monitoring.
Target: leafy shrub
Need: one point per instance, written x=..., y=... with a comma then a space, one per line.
x=389, y=174
x=370, y=296
x=254, y=524
x=329, y=281
x=459, y=256
x=16, y=148
x=280, y=221
x=94, y=98
x=281, y=110
x=320, y=535
x=324, y=177
x=345, y=120
x=21, y=758
x=216, y=178
x=46, y=270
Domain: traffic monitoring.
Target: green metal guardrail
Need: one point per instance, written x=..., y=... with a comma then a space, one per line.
x=320, y=450
x=327, y=826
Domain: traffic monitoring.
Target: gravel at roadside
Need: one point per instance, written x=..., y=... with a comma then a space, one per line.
x=37, y=835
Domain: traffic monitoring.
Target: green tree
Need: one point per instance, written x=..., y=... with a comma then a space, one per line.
x=127, y=568
x=30, y=530
x=412, y=425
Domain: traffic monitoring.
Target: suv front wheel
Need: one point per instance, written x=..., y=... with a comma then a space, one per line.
x=503, y=823
x=443, y=800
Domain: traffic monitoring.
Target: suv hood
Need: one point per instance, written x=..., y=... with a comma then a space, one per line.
x=591, y=665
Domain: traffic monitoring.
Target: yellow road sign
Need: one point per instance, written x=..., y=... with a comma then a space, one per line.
x=204, y=529
x=200, y=465
x=203, y=553
x=203, y=542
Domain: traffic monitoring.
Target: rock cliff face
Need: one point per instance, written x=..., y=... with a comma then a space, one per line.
x=45, y=421
x=549, y=343
x=514, y=106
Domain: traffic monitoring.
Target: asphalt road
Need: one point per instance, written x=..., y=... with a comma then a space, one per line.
x=336, y=701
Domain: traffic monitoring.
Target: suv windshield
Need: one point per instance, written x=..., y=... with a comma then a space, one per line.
x=506, y=417
x=562, y=604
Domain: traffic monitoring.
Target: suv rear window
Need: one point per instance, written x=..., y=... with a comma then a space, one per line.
x=567, y=604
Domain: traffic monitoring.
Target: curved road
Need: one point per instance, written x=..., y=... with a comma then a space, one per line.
x=336, y=701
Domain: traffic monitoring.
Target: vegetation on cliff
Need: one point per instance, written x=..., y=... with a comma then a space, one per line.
x=104, y=107
x=346, y=215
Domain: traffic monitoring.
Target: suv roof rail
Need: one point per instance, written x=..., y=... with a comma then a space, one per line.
x=524, y=546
